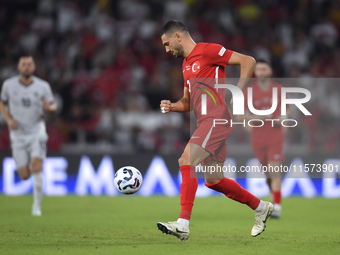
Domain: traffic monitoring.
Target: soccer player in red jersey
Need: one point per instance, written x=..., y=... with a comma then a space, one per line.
x=208, y=143
x=268, y=141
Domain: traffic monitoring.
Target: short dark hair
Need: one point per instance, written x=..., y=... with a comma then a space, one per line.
x=173, y=26
x=263, y=61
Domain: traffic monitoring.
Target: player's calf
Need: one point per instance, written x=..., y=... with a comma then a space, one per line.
x=36, y=165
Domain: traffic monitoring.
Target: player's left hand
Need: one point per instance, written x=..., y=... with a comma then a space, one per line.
x=48, y=107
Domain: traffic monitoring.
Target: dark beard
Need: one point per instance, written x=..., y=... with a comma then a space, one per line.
x=26, y=76
x=179, y=52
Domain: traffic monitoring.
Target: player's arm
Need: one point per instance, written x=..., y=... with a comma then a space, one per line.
x=9, y=120
x=247, y=65
x=183, y=105
x=48, y=106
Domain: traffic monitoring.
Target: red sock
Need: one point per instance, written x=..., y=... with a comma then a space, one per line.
x=277, y=197
x=188, y=190
x=233, y=190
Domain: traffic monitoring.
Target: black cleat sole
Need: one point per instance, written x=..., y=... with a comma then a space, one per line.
x=164, y=229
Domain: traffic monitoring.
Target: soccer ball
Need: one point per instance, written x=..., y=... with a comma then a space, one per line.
x=128, y=180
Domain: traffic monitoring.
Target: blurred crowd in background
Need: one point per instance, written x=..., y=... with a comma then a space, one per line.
x=109, y=71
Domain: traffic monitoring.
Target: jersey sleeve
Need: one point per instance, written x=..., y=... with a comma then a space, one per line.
x=4, y=93
x=48, y=95
x=216, y=54
x=183, y=70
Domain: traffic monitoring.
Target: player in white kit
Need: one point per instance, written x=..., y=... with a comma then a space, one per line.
x=24, y=98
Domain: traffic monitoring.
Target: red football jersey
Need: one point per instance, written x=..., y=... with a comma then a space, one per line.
x=207, y=60
x=262, y=100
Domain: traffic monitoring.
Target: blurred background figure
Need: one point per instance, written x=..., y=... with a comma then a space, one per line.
x=268, y=141
x=24, y=99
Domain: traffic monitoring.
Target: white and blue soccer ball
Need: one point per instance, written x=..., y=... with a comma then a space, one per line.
x=128, y=180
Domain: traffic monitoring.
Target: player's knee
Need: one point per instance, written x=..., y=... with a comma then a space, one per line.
x=211, y=181
x=182, y=161
x=36, y=166
x=276, y=181
x=24, y=173
x=25, y=176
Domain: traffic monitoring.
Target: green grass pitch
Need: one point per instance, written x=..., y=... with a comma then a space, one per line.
x=127, y=225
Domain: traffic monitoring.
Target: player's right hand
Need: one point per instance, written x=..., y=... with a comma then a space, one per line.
x=12, y=124
x=165, y=106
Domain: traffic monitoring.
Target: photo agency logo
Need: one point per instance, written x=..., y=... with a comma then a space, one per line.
x=239, y=109
x=210, y=92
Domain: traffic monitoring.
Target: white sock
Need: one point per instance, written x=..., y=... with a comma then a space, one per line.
x=261, y=208
x=277, y=207
x=37, y=188
x=184, y=223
